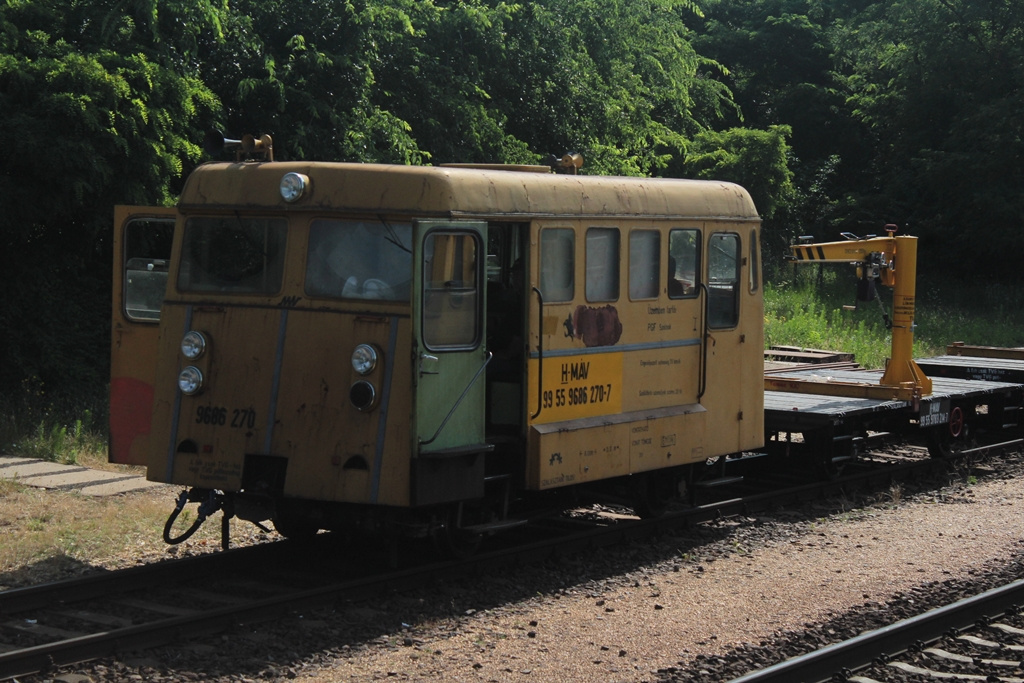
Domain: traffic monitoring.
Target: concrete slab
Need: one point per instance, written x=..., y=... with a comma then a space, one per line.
x=73, y=479
x=52, y=475
x=113, y=488
x=12, y=467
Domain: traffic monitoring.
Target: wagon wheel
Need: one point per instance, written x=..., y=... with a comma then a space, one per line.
x=652, y=493
x=945, y=440
x=829, y=457
x=294, y=526
x=455, y=541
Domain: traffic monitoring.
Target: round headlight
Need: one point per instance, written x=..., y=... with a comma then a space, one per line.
x=193, y=344
x=293, y=186
x=364, y=359
x=363, y=395
x=190, y=380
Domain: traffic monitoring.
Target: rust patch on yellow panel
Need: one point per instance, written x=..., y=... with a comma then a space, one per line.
x=594, y=325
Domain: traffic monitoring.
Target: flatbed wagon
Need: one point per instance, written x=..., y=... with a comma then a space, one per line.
x=959, y=412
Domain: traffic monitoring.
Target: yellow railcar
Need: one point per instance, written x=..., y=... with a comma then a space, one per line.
x=424, y=347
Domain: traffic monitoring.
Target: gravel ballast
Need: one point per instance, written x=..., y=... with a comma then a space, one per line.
x=703, y=605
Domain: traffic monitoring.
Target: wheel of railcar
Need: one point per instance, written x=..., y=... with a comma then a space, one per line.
x=946, y=439
x=827, y=456
x=454, y=541
x=295, y=526
x=652, y=492
x=835, y=462
x=941, y=444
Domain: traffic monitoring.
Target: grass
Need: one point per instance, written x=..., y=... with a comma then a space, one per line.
x=49, y=535
x=68, y=444
x=68, y=430
x=804, y=310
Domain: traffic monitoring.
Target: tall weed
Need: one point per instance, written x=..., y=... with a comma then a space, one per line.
x=806, y=309
x=65, y=429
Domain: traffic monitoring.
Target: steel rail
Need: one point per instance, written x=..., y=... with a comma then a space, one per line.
x=859, y=652
x=43, y=595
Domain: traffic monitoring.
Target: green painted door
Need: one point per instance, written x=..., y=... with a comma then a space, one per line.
x=449, y=334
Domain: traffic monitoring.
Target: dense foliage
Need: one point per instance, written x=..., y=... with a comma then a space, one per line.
x=837, y=115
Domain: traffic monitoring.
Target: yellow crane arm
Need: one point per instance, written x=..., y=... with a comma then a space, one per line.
x=891, y=260
x=873, y=256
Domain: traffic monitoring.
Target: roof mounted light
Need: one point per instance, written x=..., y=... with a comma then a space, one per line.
x=293, y=186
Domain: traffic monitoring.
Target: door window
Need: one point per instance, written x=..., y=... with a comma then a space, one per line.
x=451, y=291
x=147, y=250
x=723, y=280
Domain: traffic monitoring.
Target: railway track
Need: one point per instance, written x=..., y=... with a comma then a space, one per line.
x=51, y=625
x=975, y=639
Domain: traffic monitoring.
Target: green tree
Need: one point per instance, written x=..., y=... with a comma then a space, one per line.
x=940, y=86
x=781, y=67
x=99, y=108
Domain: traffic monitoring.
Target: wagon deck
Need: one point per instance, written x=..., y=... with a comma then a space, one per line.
x=974, y=368
x=793, y=411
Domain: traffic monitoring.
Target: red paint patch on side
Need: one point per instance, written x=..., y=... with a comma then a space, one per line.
x=131, y=416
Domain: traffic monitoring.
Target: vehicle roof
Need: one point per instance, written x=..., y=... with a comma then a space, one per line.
x=460, y=192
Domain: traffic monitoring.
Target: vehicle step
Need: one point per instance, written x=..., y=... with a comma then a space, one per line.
x=491, y=527
x=720, y=481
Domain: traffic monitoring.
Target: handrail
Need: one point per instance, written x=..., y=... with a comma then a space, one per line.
x=540, y=351
x=704, y=335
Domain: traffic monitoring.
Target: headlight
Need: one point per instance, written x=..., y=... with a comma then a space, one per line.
x=190, y=380
x=193, y=344
x=364, y=359
x=293, y=186
x=363, y=395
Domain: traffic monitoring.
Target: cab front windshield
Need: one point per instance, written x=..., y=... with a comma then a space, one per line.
x=351, y=259
x=241, y=254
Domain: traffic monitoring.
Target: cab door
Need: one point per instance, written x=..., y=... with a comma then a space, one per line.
x=142, y=252
x=734, y=346
x=450, y=356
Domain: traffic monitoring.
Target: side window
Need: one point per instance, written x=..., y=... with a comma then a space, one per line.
x=147, y=250
x=755, y=263
x=683, y=263
x=644, y=264
x=557, y=264
x=723, y=280
x=603, y=264
x=451, y=291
